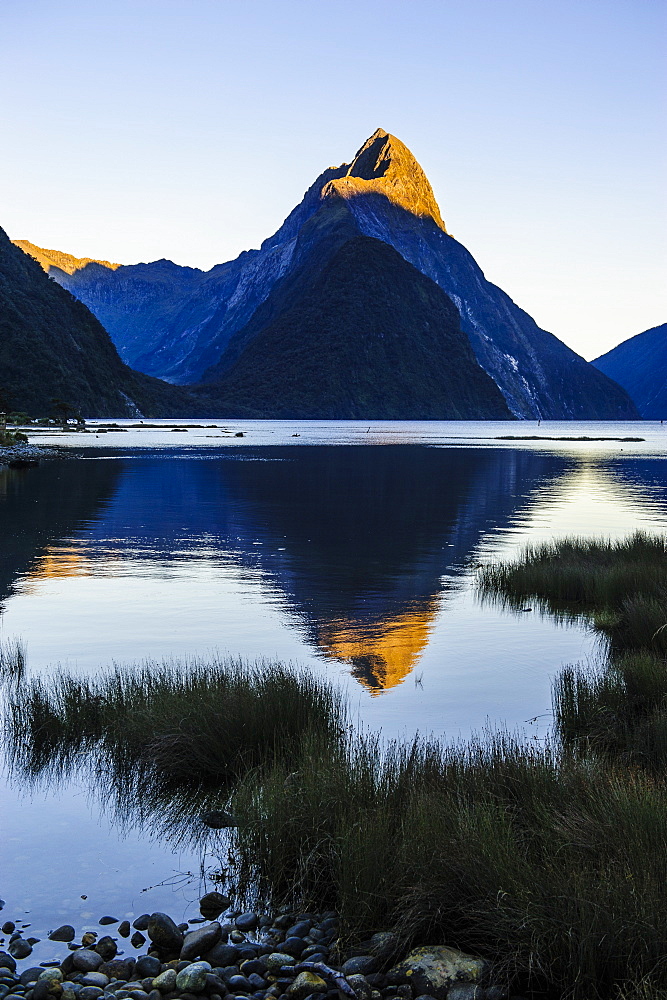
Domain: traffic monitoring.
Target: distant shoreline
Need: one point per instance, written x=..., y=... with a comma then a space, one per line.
x=28, y=453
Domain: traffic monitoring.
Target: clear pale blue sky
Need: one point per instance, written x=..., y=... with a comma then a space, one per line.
x=188, y=129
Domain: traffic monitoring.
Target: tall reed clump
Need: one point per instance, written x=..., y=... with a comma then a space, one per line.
x=12, y=662
x=168, y=734
x=575, y=576
x=618, y=708
x=550, y=865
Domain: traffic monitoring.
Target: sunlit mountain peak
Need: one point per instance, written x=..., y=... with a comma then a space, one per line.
x=385, y=166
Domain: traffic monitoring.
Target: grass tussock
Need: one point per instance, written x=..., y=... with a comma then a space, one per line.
x=168, y=733
x=618, y=708
x=575, y=575
x=12, y=662
x=550, y=865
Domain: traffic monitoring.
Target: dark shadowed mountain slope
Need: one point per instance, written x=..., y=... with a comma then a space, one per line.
x=640, y=366
x=178, y=335
x=52, y=347
x=135, y=303
x=363, y=335
x=169, y=321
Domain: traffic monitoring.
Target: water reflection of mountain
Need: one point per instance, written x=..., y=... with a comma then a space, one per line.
x=38, y=507
x=370, y=534
x=357, y=539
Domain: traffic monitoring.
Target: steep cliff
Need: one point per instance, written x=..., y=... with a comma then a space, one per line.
x=355, y=332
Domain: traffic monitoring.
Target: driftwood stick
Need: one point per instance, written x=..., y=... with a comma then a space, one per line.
x=325, y=971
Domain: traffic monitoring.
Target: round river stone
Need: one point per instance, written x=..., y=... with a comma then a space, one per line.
x=193, y=978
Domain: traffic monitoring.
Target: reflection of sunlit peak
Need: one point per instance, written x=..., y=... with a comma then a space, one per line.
x=58, y=563
x=381, y=653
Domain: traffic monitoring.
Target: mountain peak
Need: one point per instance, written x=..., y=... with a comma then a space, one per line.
x=384, y=165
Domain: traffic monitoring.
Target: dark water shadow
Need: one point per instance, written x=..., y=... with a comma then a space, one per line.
x=39, y=507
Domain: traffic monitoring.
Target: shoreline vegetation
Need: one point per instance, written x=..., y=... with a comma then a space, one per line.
x=547, y=860
x=617, y=708
x=544, y=437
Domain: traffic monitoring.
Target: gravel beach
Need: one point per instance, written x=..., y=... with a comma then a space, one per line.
x=28, y=454
x=225, y=954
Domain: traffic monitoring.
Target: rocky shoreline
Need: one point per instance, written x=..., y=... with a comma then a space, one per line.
x=287, y=956
x=23, y=455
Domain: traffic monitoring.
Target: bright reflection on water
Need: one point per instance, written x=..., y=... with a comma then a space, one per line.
x=358, y=561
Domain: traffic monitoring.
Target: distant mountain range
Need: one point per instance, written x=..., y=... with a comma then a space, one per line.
x=52, y=349
x=640, y=366
x=342, y=314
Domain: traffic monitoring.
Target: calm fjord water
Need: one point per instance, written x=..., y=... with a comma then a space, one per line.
x=348, y=549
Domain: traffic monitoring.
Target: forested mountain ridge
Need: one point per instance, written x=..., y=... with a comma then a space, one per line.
x=56, y=260
x=355, y=333
x=53, y=348
x=639, y=364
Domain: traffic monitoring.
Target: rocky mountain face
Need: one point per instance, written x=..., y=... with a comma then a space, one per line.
x=538, y=375
x=52, y=347
x=385, y=167
x=355, y=332
x=177, y=322
x=640, y=366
